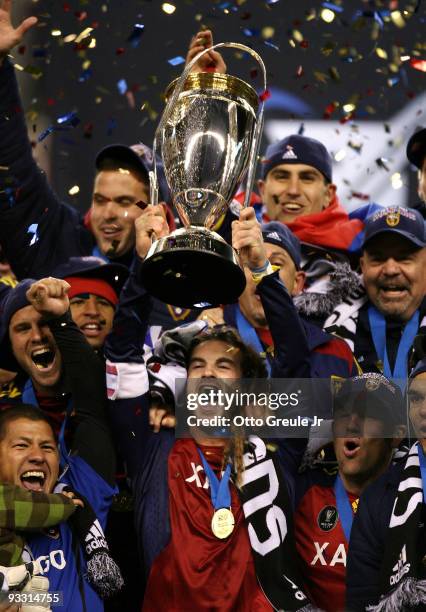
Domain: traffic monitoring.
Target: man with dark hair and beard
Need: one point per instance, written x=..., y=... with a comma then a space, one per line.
x=248, y=563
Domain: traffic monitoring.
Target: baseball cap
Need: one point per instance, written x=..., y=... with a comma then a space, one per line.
x=140, y=156
x=416, y=148
x=93, y=275
x=406, y=222
x=370, y=395
x=279, y=234
x=297, y=149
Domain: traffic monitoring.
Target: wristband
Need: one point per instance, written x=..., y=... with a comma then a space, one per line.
x=257, y=276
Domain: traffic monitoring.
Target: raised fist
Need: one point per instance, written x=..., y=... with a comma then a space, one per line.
x=49, y=296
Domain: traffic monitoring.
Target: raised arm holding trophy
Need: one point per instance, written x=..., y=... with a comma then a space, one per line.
x=208, y=137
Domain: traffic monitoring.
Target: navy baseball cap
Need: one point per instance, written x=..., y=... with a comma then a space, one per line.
x=279, y=234
x=92, y=269
x=406, y=222
x=296, y=149
x=140, y=156
x=416, y=148
x=370, y=395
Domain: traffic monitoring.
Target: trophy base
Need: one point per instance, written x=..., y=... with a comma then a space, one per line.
x=193, y=268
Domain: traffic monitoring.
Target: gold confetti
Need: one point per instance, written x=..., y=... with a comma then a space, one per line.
x=398, y=19
x=320, y=76
x=298, y=36
x=381, y=53
x=268, y=32
x=74, y=190
x=327, y=15
x=168, y=8
x=84, y=34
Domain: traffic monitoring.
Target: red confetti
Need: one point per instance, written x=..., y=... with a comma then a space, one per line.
x=418, y=64
x=329, y=110
x=253, y=73
x=299, y=71
x=66, y=7
x=50, y=101
x=81, y=15
x=21, y=49
x=119, y=51
x=88, y=130
x=265, y=95
x=304, y=44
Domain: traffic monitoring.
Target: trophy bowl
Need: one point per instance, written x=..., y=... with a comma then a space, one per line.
x=207, y=136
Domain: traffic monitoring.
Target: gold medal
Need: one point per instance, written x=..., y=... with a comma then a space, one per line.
x=223, y=523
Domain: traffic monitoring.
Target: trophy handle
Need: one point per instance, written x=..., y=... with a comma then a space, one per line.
x=153, y=180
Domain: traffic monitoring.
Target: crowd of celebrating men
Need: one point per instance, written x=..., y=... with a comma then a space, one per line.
x=99, y=501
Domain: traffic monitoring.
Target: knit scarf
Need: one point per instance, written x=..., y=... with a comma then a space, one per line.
x=102, y=571
x=269, y=520
x=400, y=584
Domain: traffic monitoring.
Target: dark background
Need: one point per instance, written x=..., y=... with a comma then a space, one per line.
x=329, y=65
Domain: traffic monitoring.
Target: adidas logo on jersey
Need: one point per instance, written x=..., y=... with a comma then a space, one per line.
x=400, y=568
x=289, y=154
x=274, y=236
x=95, y=538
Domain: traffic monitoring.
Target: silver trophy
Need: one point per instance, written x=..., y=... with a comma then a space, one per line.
x=209, y=137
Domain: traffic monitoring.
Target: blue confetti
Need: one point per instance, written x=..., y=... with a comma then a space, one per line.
x=272, y=1
x=122, y=86
x=85, y=75
x=378, y=19
x=393, y=81
x=112, y=124
x=33, y=229
x=135, y=37
x=45, y=133
x=10, y=197
x=175, y=61
x=249, y=32
x=68, y=119
x=65, y=122
x=269, y=43
x=333, y=7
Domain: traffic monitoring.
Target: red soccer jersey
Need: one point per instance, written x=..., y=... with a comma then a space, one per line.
x=322, y=545
x=197, y=571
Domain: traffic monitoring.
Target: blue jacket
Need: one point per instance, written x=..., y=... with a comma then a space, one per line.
x=368, y=538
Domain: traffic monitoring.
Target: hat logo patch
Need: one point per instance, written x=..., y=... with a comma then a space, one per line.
x=392, y=218
x=274, y=236
x=372, y=384
x=289, y=154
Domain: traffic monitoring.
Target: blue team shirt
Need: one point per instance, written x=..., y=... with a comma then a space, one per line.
x=56, y=554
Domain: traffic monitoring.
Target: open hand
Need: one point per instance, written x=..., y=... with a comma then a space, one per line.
x=10, y=36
